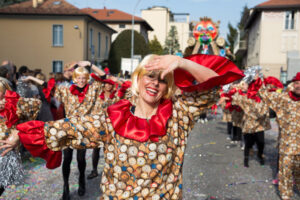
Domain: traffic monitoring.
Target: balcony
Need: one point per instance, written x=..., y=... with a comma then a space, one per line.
x=240, y=44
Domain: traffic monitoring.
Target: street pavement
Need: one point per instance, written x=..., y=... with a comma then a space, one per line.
x=213, y=169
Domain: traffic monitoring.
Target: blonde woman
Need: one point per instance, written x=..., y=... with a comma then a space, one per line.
x=78, y=99
x=13, y=110
x=144, y=140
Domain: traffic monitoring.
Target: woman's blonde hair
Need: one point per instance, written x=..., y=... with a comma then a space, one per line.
x=141, y=71
x=4, y=86
x=80, y=71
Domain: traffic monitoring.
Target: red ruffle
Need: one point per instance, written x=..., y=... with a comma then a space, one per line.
x=80, y=95
x=297, y=77
x=47, y=91
x=270, y=80
x=32, y=137
x=129, y=126
x=227, y=70
x=293, y=96
x=123, y=89
x=253, y=90
x=111, y=96
x=10, y=108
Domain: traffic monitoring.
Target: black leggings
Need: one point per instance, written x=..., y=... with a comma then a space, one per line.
x=1, y=190
x=68, y=154
x=250, y=139
x=237, y=134
x=95, y=156
x=229, y=128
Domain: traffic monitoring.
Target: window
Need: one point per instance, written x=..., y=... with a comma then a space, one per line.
x=106, y=46
x=57, y=66
x=91, y=37
x=121, y=25
x=99, y=44
x=290, y=20
x=57, y=35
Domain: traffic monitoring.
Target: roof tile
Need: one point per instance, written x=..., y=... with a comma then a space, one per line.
x=110, y=14
x=47, y=7
x=277, y=3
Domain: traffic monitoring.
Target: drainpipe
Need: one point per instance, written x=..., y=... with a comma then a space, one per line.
x=88, y=37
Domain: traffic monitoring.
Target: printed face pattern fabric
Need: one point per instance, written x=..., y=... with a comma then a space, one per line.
x=101, y=104
x=226, y=114
x=289, y=171
x=27, y=109
x=11, y=171
x=135, y=170
x=71, y=102
x=288, y=117
x=256, y=115
x=237, y=118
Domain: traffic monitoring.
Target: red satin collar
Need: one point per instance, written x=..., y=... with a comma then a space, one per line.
x=129, y=126
x=80, y=95
x=293, y=96
x=111, y=96
x=10, y=108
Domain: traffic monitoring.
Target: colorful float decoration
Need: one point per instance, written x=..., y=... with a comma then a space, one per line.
x=206, y=39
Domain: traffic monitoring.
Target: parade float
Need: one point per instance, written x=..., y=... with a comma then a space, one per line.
x=206, y=40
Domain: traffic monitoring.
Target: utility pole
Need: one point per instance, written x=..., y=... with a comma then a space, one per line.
x=132, y=34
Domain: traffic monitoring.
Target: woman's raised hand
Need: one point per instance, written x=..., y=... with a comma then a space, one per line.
x=10, y=143
x=83, y=63
x=166, y=63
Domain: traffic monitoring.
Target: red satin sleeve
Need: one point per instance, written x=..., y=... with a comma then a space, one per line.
x=32, y=137
x=228, y=72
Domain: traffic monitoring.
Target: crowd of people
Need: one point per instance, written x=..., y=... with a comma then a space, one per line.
x=247, y=109
x=141, y=123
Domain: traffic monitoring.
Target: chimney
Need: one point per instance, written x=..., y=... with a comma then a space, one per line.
x=34, y=3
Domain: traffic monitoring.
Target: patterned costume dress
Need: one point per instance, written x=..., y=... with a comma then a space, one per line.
x=226, y=113
x=288, y=116
x=256, y=114
x=143, y=158
x=17, y=109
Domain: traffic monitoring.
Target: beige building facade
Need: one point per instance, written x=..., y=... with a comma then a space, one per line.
x=47, y=39
x=273, y=31
x=162, y=19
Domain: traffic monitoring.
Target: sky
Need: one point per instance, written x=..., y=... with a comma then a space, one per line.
x=224, y=10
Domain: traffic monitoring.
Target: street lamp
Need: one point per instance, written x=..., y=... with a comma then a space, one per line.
x=132, y=34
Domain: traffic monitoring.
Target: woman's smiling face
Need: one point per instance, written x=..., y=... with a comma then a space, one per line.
x=151, y=87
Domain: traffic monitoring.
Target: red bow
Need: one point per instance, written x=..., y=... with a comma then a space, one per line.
x=47, y=91
x=111, y=96
x=129, y=126
x=80, y=95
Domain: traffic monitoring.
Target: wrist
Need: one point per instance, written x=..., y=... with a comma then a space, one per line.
x=181, y=63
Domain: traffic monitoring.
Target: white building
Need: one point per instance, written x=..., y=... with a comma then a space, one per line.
x=161, y=19
x=273, y=38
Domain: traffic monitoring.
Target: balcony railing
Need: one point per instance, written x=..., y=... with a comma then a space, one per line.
x=240, y=43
